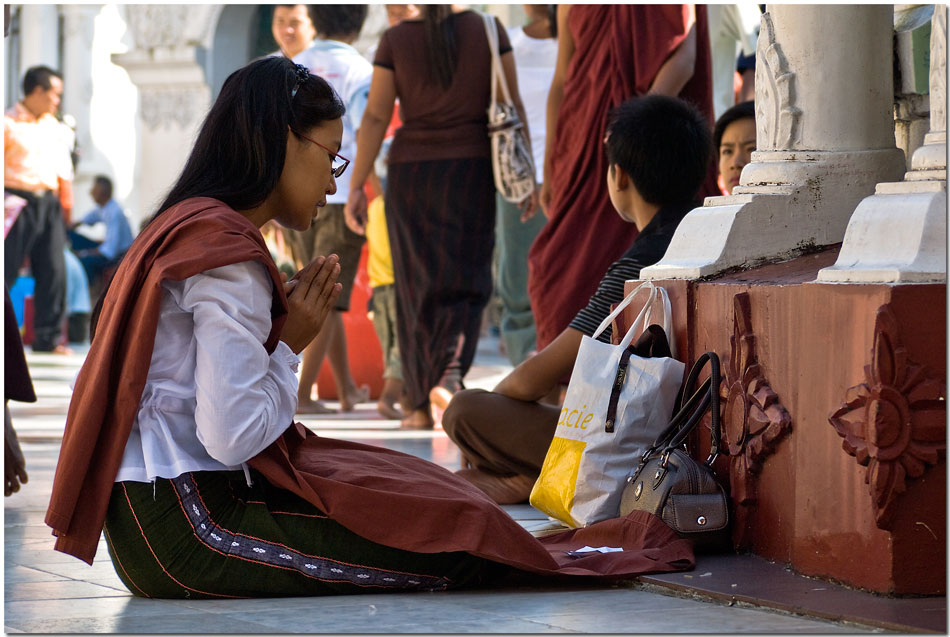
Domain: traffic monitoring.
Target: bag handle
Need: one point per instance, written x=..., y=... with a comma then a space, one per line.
x=710, y=392
x=657, y=293
x=498, y=75
x=691, y=410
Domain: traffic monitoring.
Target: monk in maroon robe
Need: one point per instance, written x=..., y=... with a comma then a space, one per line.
x=607, y=54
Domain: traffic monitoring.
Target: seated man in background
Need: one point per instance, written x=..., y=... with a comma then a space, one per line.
x=658, y=153
x=95, y=256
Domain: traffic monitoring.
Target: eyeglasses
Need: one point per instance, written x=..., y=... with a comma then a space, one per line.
x=337, y=171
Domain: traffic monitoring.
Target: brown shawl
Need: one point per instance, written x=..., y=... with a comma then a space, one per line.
x=191, y=237
x=386, y=496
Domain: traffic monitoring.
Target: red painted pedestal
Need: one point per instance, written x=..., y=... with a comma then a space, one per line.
x=834, y=415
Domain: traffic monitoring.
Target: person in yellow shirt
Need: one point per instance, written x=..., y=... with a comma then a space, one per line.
x=379, y=269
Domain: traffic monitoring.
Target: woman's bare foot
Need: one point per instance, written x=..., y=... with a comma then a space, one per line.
x=313, y=408
x=389, y=410
x=417, y=419
x=353, y=397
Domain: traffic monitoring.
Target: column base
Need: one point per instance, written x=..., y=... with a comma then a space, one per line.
x=788, y=204
x=898, y=235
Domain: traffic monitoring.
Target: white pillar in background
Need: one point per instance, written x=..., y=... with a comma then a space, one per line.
x=900, y=233
x=39, y=37
x=78, y=33
x=166, y=66
x=825, y=137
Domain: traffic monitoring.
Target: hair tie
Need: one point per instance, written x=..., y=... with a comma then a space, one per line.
x=303, y=74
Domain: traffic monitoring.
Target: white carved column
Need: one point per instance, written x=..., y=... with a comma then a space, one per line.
x=825, y=136
x=166, y=65
x=900, y=233
x=78, y=32
x=39, y=37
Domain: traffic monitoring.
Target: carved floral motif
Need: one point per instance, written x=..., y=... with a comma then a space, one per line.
x=171, y=106
x=776, y=115
x=754, y=420
x=155, y=26
x=895, y=422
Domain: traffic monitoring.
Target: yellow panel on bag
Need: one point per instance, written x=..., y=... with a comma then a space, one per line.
x=553, y=493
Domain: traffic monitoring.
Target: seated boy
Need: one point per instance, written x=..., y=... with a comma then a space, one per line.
x=658, y=151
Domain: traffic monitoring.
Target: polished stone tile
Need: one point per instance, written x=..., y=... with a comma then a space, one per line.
x=23, y=613
x=20, y=574
x=422, y=620
x=698, y=617
x=58, y=589
x=166, y=624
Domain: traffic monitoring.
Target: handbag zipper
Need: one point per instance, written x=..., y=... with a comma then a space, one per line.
x=691, y=475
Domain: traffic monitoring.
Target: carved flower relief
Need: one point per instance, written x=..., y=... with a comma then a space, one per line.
x=754, y=419
x=895, y=422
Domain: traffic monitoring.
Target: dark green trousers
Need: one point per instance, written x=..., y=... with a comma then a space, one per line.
x=208, y=535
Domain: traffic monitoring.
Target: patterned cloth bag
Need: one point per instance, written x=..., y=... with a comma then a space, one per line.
x=512, y=163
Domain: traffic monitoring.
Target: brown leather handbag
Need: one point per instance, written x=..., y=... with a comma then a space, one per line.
x=671, y=484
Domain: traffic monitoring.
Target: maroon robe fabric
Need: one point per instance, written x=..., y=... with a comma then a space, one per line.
x=386, y=496
x=618, y=51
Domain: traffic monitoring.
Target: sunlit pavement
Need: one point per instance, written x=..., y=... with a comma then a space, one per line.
x=49, y=592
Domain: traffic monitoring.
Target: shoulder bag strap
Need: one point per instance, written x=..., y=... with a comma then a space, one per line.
x=498, y=74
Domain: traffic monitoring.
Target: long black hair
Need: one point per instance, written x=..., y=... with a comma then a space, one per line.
x=239, y=153
x=440, y=43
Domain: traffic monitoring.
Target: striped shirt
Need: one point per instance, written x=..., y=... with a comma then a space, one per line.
x=648, y=248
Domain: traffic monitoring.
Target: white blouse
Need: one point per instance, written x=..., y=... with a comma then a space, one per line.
x=213, y=397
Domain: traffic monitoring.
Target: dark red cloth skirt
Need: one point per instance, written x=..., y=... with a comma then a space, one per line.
x=441, y=221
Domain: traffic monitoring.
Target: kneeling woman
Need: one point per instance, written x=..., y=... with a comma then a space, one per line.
x=192, y=373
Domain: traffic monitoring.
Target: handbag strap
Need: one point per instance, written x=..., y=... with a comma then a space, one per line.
x=498, y=75
x=692, y=408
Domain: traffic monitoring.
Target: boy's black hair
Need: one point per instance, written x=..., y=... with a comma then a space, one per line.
x=737, y=112
x=338, y=19
x=105, y=183
x=38, y=76
x=663, y=144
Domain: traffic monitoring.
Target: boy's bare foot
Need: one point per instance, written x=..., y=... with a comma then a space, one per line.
x=417, y=419
x=502, y=489
x=440, y=397
x=314, y=408
x=389, y=411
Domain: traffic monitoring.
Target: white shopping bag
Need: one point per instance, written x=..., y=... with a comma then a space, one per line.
x=591, y=455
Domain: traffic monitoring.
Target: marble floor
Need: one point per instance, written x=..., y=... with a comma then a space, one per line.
x=49, y=592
